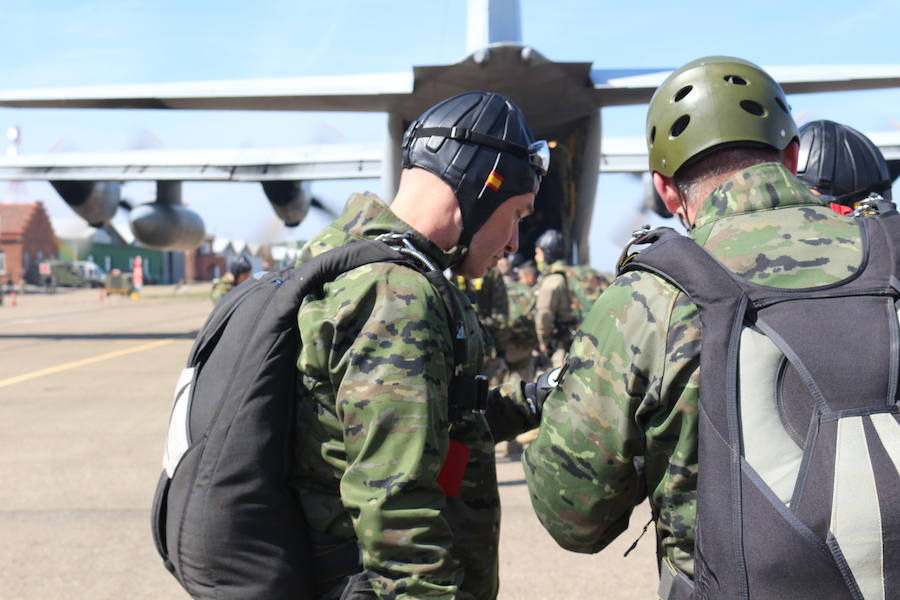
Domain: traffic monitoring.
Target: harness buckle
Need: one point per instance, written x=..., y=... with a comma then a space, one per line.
x=642, y=235
x=460, y=133
x=868, y=206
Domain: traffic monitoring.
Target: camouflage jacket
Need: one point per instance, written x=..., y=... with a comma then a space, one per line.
x=520, y=328
x=554, y=316
x=632, y=388
x=224, y=285
x=586, y=285
x=488, y=296
x=374, y=367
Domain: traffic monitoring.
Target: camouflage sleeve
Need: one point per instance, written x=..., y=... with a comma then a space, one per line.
x=627, y=373
x=391, y=397
x=218, y=291
x=492, y=302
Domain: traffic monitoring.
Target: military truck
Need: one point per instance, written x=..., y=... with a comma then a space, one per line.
x=79, y=273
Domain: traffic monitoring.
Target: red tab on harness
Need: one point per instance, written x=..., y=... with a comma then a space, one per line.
x=841, y=209
x=451, y=476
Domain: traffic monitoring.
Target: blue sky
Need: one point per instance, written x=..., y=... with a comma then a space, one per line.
x=49, y=43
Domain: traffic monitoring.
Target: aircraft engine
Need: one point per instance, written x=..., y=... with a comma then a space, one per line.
x=165, y=224
x=94, y=201
x=290, y=200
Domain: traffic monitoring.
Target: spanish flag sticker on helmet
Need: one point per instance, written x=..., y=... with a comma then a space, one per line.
x=494, y=181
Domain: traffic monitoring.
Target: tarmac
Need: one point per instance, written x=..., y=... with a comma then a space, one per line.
x=86, y=386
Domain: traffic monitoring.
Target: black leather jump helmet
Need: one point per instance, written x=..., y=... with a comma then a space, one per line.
x=479, y=144
x=240, y=266
x=841, y=162
x=552, y=244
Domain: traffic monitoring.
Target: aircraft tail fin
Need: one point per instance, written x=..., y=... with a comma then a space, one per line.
x=491, y=22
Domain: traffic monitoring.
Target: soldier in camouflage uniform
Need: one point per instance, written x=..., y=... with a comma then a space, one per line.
x=631, y=391
x=221, y=287
x=235, y=276
x=488, y=296
x=508, y=267
x=554, y=316
x=385, y=460
x=586, y=285
x=521, y=339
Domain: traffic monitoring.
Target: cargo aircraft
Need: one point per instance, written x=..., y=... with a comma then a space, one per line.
x=562, y=102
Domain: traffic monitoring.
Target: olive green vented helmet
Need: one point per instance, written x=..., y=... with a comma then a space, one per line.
x=713, y=101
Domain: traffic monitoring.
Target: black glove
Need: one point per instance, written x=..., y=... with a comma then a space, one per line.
x=536, y=392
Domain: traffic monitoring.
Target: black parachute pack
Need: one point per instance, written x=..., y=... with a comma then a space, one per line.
x=799, y=440
x=224, y=518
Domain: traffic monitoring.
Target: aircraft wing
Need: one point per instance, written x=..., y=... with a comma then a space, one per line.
x=360, y=93
x=388, y=91
x=629, y=154
x=301, y=163
x=615, y=87
x=331, y=161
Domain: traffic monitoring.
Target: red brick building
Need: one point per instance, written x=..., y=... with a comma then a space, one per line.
x=26, y=238
x=202, y=263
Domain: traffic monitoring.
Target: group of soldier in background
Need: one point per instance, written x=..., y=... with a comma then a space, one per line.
x=529, y=311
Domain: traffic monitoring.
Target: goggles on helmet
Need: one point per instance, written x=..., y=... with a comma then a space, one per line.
x=537, y=153
x=539, y=156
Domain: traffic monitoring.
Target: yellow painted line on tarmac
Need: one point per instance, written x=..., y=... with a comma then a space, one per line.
x=83, y=362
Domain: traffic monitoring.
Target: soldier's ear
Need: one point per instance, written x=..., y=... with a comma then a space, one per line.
x=791, y=155
x=665, y=187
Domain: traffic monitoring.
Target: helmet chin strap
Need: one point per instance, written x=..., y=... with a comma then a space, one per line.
x=458, y=254
x=465, y=237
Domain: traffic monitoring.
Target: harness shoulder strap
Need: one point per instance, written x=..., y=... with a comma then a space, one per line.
x=889, y=220
x=294, y=283
x=683, y=262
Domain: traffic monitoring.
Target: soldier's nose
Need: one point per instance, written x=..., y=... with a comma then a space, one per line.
x=512, y=245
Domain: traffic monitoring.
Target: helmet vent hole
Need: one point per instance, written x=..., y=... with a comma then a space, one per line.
x=653, y=135
x=754, y=108
x=682, y=93
x=781, y=104
x=735, y=79
x=679, y=126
